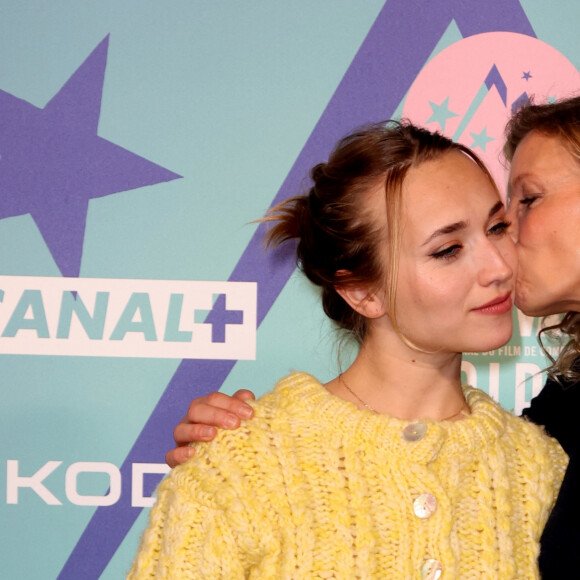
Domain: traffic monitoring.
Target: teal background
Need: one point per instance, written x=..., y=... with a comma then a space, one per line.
x=224, y=93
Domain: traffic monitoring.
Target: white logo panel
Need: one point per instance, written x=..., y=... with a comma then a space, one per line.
x=128, y=318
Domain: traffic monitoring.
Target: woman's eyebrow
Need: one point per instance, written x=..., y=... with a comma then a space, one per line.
x=513, y=183
x=497, y=207
x=448, y=229
x=454, y=227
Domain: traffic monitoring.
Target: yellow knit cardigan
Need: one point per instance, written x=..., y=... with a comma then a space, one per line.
x=313, y=487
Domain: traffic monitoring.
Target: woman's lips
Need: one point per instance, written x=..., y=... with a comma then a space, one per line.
x=499, y=305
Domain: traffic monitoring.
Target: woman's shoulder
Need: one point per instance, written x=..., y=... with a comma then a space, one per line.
x=290, y=391
x=237, y=459
x=227, y=464
x=520, y=435
x=532, y=444
x=273, y=411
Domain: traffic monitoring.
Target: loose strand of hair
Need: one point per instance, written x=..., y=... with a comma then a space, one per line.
x=564, y=367
x=287, y=217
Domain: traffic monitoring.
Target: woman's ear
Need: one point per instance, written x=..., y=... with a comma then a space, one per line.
x=362, y=300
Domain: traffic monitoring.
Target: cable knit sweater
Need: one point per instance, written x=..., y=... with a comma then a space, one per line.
x=313, y=487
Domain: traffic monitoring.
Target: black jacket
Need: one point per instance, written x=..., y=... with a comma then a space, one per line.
x=557, y=407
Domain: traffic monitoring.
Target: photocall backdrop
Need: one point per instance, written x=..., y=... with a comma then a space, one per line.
x=138, y=141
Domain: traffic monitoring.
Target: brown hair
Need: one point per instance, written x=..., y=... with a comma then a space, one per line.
x=338, y=238
x=562, y=120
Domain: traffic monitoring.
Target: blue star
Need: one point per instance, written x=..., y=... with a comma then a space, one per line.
x=552, y=99
x=481, y=139
x=441, y=113
x=53, y=162
x=527, y=76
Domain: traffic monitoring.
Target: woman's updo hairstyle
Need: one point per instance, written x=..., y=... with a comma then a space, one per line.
x=338, y=237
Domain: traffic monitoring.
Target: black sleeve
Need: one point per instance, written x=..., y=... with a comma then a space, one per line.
x=556, y=408
x=541, y=408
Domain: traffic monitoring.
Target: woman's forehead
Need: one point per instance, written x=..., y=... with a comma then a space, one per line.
x=544, y=157
x=453, y=175
x=447, y=190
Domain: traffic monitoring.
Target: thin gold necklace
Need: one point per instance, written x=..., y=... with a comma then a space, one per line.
x=367, y=406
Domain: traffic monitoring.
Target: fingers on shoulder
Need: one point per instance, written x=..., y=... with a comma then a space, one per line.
x=219, y=410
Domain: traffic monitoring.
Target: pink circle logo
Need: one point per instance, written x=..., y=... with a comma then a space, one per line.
x=469, y=90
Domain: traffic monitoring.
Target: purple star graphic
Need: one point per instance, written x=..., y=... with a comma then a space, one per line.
x=53, y=162
x=527, y=75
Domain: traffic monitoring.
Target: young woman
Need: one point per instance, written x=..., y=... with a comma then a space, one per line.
x=543, y=145
x=392, y=469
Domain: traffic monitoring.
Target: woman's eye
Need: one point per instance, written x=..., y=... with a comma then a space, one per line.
x=528, y=200
x=447, y=253
x=500, y=228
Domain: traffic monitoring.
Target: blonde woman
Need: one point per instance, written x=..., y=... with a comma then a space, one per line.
x=543, y=146
x=393, y=469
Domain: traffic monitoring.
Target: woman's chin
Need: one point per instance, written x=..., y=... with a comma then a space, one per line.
x=538, y=310
x=523, y=304
x=528, y=304
x=500, y=339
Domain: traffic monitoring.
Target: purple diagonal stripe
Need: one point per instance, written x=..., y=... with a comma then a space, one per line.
x=494, y=79
x=522, y=100
x=474, y=17
x=397, y=46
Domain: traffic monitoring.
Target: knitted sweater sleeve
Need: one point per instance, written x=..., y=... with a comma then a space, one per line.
x=559, y=462
x=198, y=527
x=549, y=462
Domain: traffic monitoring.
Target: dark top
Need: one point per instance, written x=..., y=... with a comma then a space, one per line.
x=557, y=408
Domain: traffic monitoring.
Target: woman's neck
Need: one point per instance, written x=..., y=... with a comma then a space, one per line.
x=403, y=383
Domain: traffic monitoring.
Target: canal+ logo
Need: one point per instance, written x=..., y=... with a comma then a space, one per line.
x=53, y=163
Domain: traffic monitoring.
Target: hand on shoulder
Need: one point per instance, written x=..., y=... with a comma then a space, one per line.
x=203, y=416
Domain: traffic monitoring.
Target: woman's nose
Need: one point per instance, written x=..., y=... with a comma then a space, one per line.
x=495, y=266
